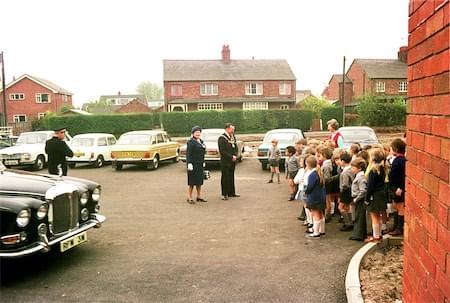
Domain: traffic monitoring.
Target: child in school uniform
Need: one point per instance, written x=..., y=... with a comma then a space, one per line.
x=359, y=188
x=345, y=195
x=299, y=179
x=324, y=156
x=274, y=156
x=376, y=197
x=291, y=165
x=315, y=198
x=397, y=184
x=300, y=147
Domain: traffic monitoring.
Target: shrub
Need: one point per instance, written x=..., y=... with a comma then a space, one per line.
x=378, y=111
x=332, y=112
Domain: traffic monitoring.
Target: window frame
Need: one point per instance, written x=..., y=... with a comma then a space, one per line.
x=213, y=89
x=20, y=96
x=209, y=106
x=39, y=98
x=284, y=106
x=249, y=89
x=285, y=88
x=378, y=85
x=176, y=90
x=251, y=105
x=41, y=115
x=403, y=87
x=18, y=120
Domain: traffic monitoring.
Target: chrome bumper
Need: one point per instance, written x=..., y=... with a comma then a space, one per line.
x=44, y=244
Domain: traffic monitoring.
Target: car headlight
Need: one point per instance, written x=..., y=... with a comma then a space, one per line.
x=23, y=218
x=84, y=214
x=84, y=198
x=96, y=194
x=25, y=156
x=42, y=211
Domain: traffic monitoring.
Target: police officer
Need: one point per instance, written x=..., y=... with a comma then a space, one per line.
x=228, y=157
x=57, y=151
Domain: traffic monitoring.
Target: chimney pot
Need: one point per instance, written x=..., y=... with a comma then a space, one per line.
x=402, y=54
x=226, y=58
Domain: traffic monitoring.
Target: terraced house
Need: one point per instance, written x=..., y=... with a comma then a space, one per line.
x=191, y=85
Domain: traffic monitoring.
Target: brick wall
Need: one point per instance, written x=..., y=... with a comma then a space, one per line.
x=391, y=87
x=427, y=237
x=334, y=90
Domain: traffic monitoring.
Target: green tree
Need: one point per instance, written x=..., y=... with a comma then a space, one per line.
x=379, y=111
x=315, y=105
x=150, y=90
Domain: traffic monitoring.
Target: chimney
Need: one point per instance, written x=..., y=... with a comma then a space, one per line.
x=118, y=93
x=402, y=54
x=226, y=54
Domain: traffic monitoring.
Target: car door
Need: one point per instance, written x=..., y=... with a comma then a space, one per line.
x=171, y=147
x=111, y=140
x=162, y=146
x=102, y=147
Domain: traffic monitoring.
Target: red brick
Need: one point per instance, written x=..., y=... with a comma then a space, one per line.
x=427, y=85
x=413, y=88
x=438, y=253
x=443, y=283
x=423, y=198
x=430, y=224
x=436, y=22
x=434, y=290
x=431, y=183
x=440, y=83
x=420, y=51
x=443, y=237
x=424, y=161
x=440, y=63
x=412, y=155
x=439, y=3
x=445, y=149
x=439, y=105
x=433, y=145
x=441, y=126
x=440, y=168
x=414, y=172
x=441, y=40
x=419, y=68
x=417, y=36
x=446, y=9
x=444, y=190
x=418, y=141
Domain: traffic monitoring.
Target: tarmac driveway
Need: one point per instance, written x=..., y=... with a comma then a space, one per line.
x=155, y=247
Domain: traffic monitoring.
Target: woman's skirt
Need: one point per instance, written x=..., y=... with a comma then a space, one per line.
x=195, y=176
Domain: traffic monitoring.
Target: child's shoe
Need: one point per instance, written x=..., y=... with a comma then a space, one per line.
x=270, y=181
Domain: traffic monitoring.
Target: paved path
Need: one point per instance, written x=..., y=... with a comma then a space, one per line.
x=157, y=248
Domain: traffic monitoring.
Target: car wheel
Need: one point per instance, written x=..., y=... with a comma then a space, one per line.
x=264, y=166
x=118, y=166
x=154, y=164
x=72, y=165
x=99, y=162
x=39, y=163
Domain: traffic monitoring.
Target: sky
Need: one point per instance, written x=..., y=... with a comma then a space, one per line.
x=97, y=47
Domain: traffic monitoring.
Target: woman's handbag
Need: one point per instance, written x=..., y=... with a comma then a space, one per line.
x=206, y=175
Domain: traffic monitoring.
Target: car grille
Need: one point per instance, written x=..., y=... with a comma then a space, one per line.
x=10, y=157
x=65, y=212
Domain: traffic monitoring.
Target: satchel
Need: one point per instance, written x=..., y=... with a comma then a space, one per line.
x=206, y=175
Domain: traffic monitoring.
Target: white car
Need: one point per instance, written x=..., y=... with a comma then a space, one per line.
x=92, y=149
x=29, y=150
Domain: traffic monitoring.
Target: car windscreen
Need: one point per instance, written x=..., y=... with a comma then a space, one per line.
x=134, y=139
x=358, y=135
x=33, y=138
x=83, y=142
x=283, y=138
x=210, y=137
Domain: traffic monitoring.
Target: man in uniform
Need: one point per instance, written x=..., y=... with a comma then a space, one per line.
x=57, y=151
x=228, y=157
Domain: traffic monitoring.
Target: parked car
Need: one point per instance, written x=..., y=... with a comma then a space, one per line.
x=144, y=147
x=7, y=141
x=29, y=150
x=361, y=134
x=285, y=137
x=38, y=212
x=94, y=149
x=210, y=137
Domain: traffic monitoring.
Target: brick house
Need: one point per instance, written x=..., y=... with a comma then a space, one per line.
x=29, y=98
x=120, y=99
x=134, y=106
x=191, y=85
x=379, y=77
x=426, y=262
x=333, y=92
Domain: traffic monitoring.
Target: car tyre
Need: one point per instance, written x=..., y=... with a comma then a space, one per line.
x=39, y=163
x=118, y=166
x=99, y=162
x=264, y=166
x=154, y=164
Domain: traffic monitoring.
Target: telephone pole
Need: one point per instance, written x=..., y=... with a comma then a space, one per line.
x=343, y=93
x=5, y=117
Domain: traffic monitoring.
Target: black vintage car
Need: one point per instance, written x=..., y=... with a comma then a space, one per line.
x=38, y=212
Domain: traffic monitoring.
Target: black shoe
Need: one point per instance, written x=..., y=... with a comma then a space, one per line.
x=201, y=200
x=291, y=198
x=190, y=201
x=327, y=220
x=322, y=234
x=355, y=238
x=346, y=228
x=310, y=225
x=341, y=219
x=225, y=197
x=309, y=231
x=270, y=181
x=302, y=218
x=235, y=195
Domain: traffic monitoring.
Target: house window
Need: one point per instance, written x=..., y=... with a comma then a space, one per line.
x=41, y=115
x=379, y=88
x=64, y=98
x=42, y=98
x=176, y=90
x=285, y=89
x=210, y=106
x=178, y=108
x=284, y=106
x=255, y=105
x=403, y=87
x=17, y=96
x=209, y=89
x=253, y=89
x=20, y=118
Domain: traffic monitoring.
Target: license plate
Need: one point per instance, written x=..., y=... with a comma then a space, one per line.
x=73, y=241
x=11, y=162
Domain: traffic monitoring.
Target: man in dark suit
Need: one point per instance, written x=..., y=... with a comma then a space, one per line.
x=228, y=156
x=57, y=151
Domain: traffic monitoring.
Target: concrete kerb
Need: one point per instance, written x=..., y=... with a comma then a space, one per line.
x=352, y=279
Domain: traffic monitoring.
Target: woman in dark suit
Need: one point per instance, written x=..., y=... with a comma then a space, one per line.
x=195, y=159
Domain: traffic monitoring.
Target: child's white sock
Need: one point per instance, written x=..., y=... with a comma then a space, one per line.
x=332, y=208
x=383, y=226
x=376, y=230
x=309, y=218
x=316, y=228
x=322, y=226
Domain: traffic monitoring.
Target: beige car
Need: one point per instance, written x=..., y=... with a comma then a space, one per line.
x=144, y=147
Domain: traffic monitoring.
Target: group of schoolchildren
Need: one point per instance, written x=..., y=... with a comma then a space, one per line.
x=349, y=184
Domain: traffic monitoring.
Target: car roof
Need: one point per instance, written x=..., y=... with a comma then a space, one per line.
x=93, y=135
x=39, y=132
x=145, y=132
x=285, y=130
x=351, y=128
x=213, y=130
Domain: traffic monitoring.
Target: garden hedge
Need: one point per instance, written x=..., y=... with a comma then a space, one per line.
x=180, y=123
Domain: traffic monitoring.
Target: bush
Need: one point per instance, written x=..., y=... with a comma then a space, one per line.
x=179, y=123
x=332, y=112
x=377, y=111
